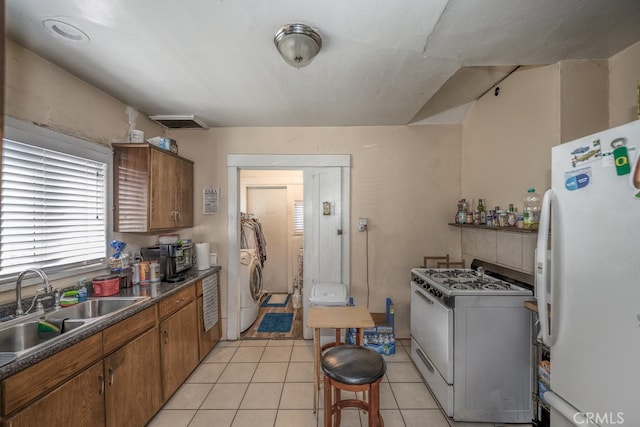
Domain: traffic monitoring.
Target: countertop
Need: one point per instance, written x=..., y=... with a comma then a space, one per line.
x=156, y=292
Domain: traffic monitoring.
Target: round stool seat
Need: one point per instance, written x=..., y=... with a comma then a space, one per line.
x=353, y=365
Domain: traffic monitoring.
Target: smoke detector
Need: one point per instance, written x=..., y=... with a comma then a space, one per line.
x=180, y=122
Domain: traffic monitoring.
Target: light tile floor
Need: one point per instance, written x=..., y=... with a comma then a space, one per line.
x=256, y=383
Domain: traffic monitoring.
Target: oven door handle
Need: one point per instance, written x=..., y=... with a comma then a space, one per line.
x=423, y=296
x=425, y=360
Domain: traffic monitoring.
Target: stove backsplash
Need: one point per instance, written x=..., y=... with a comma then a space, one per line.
x=515, y=250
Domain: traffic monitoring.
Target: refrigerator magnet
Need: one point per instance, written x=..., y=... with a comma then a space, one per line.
x=575, y=180
x=586, y=154
x=621, y=156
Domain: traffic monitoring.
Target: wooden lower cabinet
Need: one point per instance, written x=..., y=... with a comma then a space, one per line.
x=178, y=348
x=119, y=377
x=132, y=382
x=78, y=402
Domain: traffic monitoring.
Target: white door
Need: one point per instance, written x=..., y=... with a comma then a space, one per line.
x=325, y=234
x=269, y=206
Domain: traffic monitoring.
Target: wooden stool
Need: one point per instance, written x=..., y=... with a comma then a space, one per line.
x=352, y=368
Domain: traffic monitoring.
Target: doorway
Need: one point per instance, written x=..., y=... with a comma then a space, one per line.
x=326, y=220
x=269, y=201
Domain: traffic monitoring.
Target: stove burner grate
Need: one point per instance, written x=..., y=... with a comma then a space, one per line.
x=494, y=286
x=461, y=286
x=464, y=274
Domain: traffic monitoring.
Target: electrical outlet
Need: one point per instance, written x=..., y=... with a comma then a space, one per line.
x=362, y=224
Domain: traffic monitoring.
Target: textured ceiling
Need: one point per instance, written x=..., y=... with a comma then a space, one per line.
x=382, y=63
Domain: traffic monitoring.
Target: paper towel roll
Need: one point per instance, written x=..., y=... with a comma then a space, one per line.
x=202, y=256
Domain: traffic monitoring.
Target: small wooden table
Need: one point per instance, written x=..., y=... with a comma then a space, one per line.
x=334, y=318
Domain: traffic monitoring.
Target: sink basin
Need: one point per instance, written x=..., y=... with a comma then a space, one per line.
x=94, y=308
x=24, y=336
x=21, y=335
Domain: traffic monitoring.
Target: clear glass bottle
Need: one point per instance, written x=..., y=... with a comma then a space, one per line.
x=531, y=211
x=462, y=211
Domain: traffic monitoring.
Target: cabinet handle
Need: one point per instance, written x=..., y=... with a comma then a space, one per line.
x=179, y=301
x=101, y=378
x=166, y=336
x=110, y=376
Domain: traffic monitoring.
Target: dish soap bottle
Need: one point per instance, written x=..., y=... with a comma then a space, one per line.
x=531, y=211
x=82, y=290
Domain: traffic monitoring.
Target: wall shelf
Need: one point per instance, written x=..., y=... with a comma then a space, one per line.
x=484, y=227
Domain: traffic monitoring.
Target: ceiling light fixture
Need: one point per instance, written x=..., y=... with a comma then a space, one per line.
x=65, y=31
x=298, y=44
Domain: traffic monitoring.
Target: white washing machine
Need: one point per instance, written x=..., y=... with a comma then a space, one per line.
x=250, y=280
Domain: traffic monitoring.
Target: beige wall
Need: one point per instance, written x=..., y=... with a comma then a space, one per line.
x=624, y=74
x=584, y=101
x=40, y=92
x=406, y=180
x=507, y=139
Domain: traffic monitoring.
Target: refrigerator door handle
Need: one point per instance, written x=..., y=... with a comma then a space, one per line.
x=542, y=266
x=565, y=409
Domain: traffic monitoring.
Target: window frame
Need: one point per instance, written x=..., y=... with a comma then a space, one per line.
x=29, y=133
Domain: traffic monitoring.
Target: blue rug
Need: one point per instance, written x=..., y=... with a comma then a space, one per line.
x=266, y=303
x=276, y=322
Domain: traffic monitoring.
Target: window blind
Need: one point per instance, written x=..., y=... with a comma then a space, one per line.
x=53, y=213
x=298, y=216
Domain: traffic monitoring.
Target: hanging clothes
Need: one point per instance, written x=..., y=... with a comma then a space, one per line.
x=251, y=236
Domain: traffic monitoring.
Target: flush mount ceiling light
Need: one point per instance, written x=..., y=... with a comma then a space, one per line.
x=298, y=44
x=65, y=31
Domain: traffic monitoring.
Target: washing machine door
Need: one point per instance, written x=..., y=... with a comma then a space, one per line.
x=255, y=280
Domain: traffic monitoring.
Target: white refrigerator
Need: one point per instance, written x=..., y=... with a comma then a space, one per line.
x=593, y=213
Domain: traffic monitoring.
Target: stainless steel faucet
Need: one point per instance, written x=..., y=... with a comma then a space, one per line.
x=45, y=282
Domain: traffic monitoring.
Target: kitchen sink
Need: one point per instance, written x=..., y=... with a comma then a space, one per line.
x=21, y=335
x=94, y=308
x=24, y=336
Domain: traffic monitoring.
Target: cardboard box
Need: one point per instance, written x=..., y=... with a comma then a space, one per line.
x=381, y=337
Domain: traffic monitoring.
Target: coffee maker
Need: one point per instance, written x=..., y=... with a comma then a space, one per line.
x=179, y=258
x=174, y=259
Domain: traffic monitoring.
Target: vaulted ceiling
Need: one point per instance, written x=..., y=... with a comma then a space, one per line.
x=381, y=63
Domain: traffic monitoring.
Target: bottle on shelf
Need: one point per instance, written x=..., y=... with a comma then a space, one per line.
x=511, y=216
x=483, y=212
x=531, y=211
x=461, y=218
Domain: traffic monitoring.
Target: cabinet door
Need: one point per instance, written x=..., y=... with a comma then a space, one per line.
x=163, y=194
x=178, y=348
x=184, y=194
x=77, y=402
x=132, y=376
x=130, y=189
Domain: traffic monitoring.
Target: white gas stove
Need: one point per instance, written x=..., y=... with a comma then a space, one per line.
x=442, y=282
x=471, y=340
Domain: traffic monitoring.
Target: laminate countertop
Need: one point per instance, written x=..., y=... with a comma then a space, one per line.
x=155, y=291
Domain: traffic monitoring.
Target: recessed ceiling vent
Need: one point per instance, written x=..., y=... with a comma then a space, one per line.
x=180, y=122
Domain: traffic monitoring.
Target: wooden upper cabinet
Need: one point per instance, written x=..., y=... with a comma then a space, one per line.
x=153, y=189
